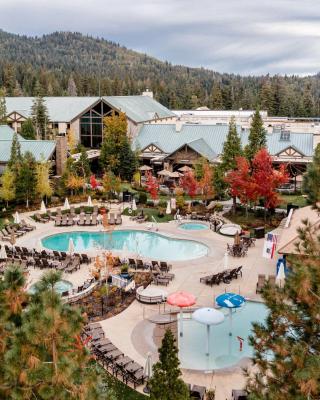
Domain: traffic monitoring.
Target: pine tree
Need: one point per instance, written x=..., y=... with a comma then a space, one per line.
x=7, y=189
x=231, y=147
x=217, y=101
x=166, y=383
x=311, y=180
x=27, y=130
x=257, y=136
x=3, y=108
x=267, y=97
x=287, y=346
x=39, y=115
x=26, y=179
x=72, y=88
x=15, y=154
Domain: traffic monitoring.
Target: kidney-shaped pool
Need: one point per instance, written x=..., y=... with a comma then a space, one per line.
x=141, y=243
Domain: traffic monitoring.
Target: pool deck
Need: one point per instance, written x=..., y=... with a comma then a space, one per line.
x=131, y=331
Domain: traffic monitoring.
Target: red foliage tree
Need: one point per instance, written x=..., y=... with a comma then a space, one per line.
x=266, y=179
x=206, y=184
x=93, y=182
x=152, y=185
x=189, y=183
x=241, y=183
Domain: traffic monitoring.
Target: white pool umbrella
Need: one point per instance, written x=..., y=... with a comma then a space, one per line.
x=89, y=202
x=208, y=316
x=168, y=210
x=43, y=209
x=71, y=247
x=226, y=260
x=134, y=204
x=148, y=372
x=3, y=253
x=17, y=219
x=66, y=205
x=281, y=276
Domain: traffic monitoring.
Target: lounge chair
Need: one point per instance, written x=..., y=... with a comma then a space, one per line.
x=94, y=219
x=40, y=219
x=118, y=219
x=28, y=225
x=64, y=220
x=88, y=219
x=143, y=219
x=132, y=263
x=160, y=281
x=11, y=231
x=81, y=221
x=58, y=212
x=239, y=394
x=140, y=264
x=5, y=236
x=261, y=283
x=111, y=220
x=95, y=209
x=58, y=221
x=85, y=259
x=272, y=280
x=164, y=266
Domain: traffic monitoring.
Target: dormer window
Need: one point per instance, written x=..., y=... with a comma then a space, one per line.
x=285, y=136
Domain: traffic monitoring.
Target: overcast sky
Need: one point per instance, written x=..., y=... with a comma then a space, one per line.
x=240, y=36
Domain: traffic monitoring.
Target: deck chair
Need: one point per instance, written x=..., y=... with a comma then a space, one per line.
x=272, y=280
x=88, y=219
x=261, y=283
x=111, y=220
x=118, y=219
x=94, y=219
x=81, y=221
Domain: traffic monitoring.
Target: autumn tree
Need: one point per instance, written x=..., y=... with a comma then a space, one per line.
x=241, y=183
x=111, y=183
x=75, y=183
x=7, y=189
x=166, y=382
x=152, y=185
x=311, y=180
x=189, y=183
x=206, y=182
x=43, y=185
x=93, y=182
x=257, y=136
x=71, y=140
x=286, y=345
x=266, y=179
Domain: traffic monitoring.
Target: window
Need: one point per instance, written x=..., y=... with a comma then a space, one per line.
x=285, y=136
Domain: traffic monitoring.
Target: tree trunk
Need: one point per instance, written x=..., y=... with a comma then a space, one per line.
x=234, y=204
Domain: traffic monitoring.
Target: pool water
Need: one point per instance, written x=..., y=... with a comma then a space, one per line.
x=140, y=243
x=224, y=349
x=60, y=286
x=193, y=226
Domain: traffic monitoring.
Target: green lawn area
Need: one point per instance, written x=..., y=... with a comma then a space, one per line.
x=151, y=212
x=254, y=220
x=296, y=199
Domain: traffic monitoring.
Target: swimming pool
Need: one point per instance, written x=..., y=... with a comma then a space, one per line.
x=140, y=243
x=224, y=349
x=60, y=286
x=193, y=226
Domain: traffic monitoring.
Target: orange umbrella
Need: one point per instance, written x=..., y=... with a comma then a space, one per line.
x=181, y=300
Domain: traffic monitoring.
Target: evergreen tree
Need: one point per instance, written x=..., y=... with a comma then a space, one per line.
x=219, y=184
x=39, y=115
x=7, y=189
x=15, y=155
x=27, y=130
x=128, y=161
x=166, y=383
x=217, y=101
x=287, y=346
x=3, y=108
x=311, y=180
x=307, y=103
x=231, y=147
x=72, y=88
x=26, y=179
x=257, y=136
x=267, y=97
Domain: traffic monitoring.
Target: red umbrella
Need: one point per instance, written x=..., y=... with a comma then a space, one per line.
x=181, y=299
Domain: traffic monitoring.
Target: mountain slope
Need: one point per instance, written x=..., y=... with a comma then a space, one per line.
x=71, y=63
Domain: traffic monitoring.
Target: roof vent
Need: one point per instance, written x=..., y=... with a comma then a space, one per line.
x=285, y=136
x=178, y=125
x=147, y=93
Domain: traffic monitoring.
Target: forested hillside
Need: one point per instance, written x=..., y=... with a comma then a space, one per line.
x=67, y=63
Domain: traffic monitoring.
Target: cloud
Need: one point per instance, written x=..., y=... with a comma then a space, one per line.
x=247, y=36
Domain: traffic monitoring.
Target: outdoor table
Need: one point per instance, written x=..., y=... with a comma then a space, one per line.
x=102, y=342
x=131, y=368
x=123, y=361
x=95, y=335
x=107, y=348
x=113, y=354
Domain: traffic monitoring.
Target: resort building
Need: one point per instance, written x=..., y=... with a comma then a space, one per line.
x=84, y=115
x=181, y=144
x=48, y=150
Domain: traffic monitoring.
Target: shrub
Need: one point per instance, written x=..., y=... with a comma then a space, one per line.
x=143, y=197
x=162, y=204
x=124, y=268
x=161, y=212
x=180, y=202
x=150, y=203
x=211, y=394
x=218, y=207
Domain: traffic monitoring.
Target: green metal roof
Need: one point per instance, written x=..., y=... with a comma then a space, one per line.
x=65, y=108
x=213, y=137
x=39, y=148
x=139, y=108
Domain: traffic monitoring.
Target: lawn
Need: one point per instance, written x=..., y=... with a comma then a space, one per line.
x=296, y=199
x=151, y=212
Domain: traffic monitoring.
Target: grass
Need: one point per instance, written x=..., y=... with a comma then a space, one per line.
x=296, y=199
x=151, y=212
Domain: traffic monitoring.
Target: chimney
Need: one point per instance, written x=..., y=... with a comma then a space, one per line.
x=61, y=154
x=179, y=125
x=147, y=93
